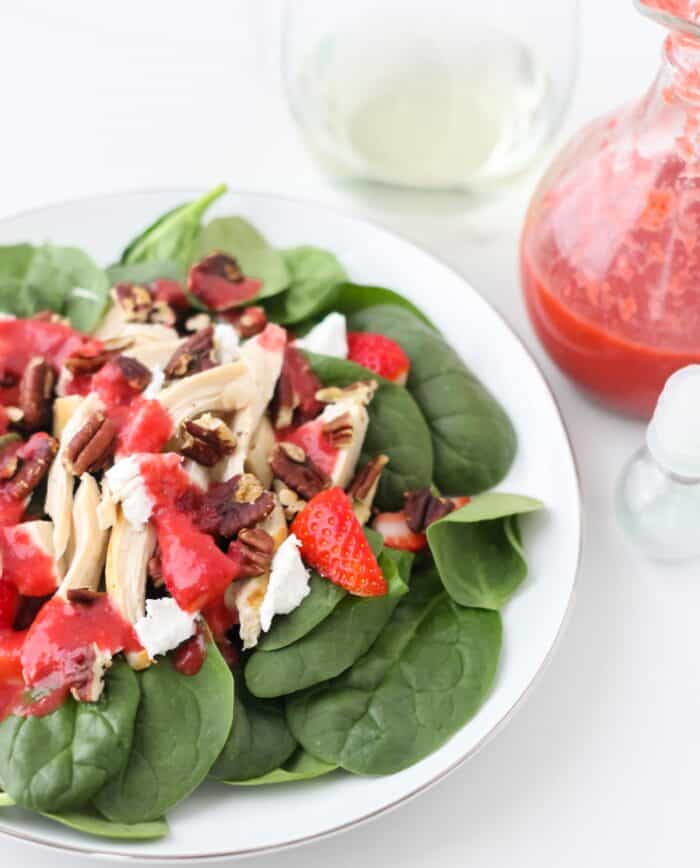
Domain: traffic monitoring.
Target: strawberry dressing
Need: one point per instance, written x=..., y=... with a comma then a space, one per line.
x=24, y=564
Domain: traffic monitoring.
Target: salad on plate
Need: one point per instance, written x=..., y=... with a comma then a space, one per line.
x=246, y=525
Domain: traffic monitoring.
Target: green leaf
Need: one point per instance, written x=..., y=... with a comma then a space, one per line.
x=91, y=823
x=329, y=648
x=354, y=297
x=422, y=680
x=474, y=442
x=182, y=724
x=257, y=259
x=477, y=549
x=396, y=428
x=301, y=766
x=145, y=272
x=259, y=742
x=60, y=761
x=322, y=598
x=61, y=279
x=173, y=236
x=6, y=801
x=315, y=276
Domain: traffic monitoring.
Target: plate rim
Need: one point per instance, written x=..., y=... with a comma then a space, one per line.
x=125, y=855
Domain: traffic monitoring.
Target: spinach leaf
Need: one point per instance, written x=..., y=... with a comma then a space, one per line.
x=259, y=741
x=60, y=761
x=235, y=236
x=145, y=272
x=354, y=297
x=474, y=442
x=425, y=676
x=173, y=236
x=182, y=724
x=330, y=647
x=322, y=598
x=91, y=823
x=477, y=549
x=301, y=766
x=62, y=279
x=6, y=801
x=396, y=428
x=315, y=276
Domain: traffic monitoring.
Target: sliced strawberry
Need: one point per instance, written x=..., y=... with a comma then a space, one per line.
x=396, y=532
x=380, y=354
x=218, y=282
x=171, y=292
x=314, y=442
x=295, y=394
x=333, y=543
x=11, y=643
x=9, y=604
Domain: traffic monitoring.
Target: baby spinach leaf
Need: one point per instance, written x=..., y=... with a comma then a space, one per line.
x=182, y=724
x=173, y=236
x=396, y=428
x=146, y=272
x=474, y=442
x=353, y=297
x=62, y=279
x=322, y=598
x=90, y=822
x=330, y=647
x=235, y=236
x=301, y=766
x=259, y=741
x=315, y=275
x=6, y=801
x=424, y=678
x=60, y=761
x=477, y=549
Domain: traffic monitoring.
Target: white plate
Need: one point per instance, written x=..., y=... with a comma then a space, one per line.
x=219, y=821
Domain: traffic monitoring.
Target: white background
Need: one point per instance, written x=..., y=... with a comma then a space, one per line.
x=601, y=766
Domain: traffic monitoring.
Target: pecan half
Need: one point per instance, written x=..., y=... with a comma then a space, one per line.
x=367, y=478
x=136, y=374
x=35, y=458
x=87, y=360
x=361, y=392
x=207, y=440
x=194, y=355
x=135, y=301
x=92, y=446
x=293, y=466
x=340, y=431
x=35, y=390
x=228, y=507
x=252, y=552
x=422, y=508
x=289, y=500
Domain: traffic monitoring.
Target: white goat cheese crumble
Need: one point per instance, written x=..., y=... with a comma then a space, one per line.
x=329, y=337
x=225, y=343
x=288, y=585
x=164, y=626
x=126, y=486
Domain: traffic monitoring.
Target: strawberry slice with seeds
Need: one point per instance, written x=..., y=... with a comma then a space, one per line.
x=380, y=355
x=393, y=526
x=332, y=542
x=9, y=604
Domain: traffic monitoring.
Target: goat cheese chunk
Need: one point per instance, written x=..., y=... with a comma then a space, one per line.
x=328, y=338
x=125, y=485
x=164, y=626
x=288, y=585
x=225, y=343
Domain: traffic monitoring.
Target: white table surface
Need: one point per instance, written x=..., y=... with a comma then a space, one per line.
x=600, y=767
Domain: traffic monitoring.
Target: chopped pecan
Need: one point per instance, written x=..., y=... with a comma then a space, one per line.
x=194, y=355
x=35, y=458
x=289, y=500
x=252, y=552
x=207, y=440
x=136, y=374
x=228, y=507
x=295, y=394
x=340, y=431
x=162, y=314
x=251, y=322
x=92, y=446
x=135, y=301
x=35, y=389
x=367, y=478
x=83, y=596
x=293, y=466
x=361, y=392
x=422, y=508
x=87, y=359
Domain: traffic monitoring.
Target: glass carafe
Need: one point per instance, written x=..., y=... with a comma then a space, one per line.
x=610, y=251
